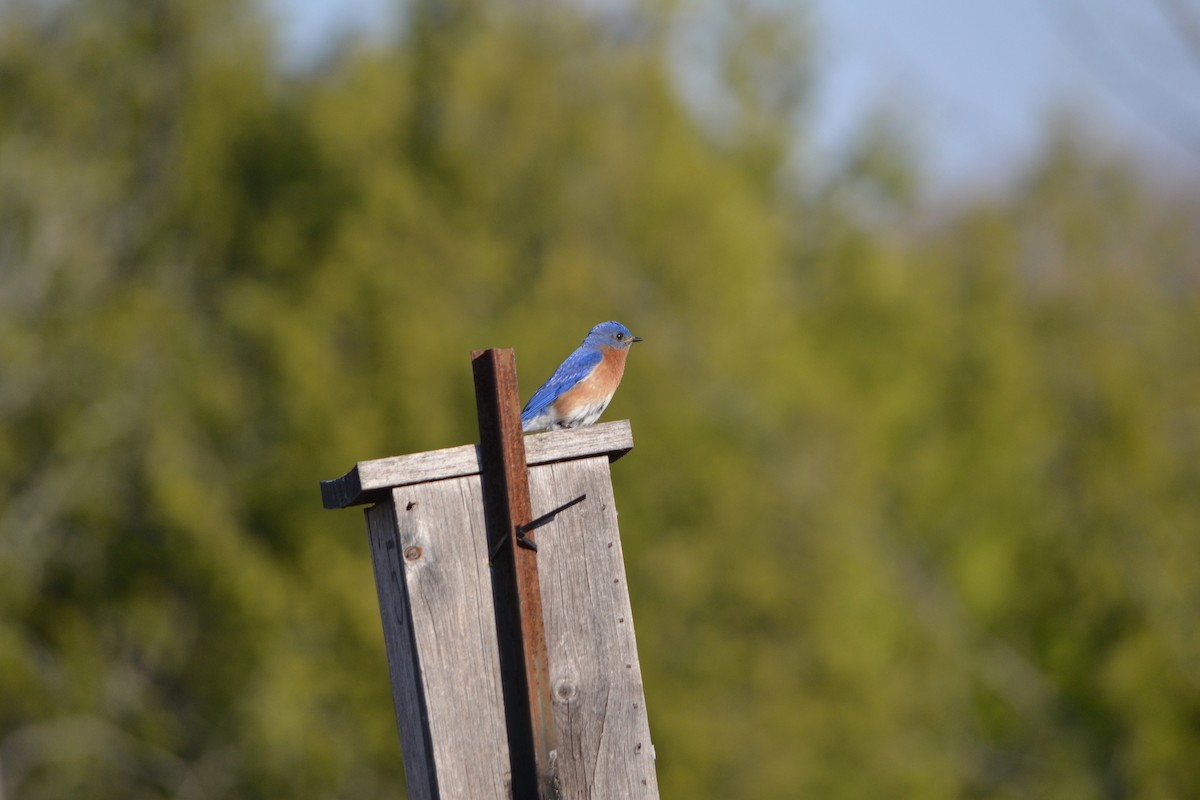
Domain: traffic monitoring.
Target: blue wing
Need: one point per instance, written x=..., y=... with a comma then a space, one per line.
x=577, y=367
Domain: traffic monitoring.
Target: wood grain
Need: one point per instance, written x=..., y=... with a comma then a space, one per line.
x=439, y=627
x=430, y=551
x=420, y=771
x=603, y=732
x=368, y=478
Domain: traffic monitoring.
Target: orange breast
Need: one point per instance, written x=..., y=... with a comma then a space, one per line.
x=600, y=385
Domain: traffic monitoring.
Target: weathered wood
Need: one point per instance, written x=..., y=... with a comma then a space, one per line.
x=403, y=666
x=524, y=668
x=437, y=599
x=429, y=549
x=604, y=748
x=369, y=478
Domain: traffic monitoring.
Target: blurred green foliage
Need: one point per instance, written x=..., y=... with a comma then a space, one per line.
x=913, y=511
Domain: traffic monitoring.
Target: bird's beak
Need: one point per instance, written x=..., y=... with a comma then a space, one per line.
x=635, y=339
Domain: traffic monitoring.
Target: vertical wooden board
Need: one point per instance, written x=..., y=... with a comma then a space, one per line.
x=603, y=732
x=420, y=772
x=443, y=548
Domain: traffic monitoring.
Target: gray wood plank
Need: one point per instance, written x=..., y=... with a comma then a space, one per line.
x=420, y=771
x=603, y=732
x=368, y=478
x=442, y=552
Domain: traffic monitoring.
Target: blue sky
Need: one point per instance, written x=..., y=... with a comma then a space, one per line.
x=981, y=79
x=975, y=80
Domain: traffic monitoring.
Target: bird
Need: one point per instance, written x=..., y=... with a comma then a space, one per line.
x=582, y=386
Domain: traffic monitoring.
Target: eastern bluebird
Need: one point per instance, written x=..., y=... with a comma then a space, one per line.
x=580, y=389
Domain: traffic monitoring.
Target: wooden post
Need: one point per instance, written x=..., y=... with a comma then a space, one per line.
x=438, y=594
x=524, y=667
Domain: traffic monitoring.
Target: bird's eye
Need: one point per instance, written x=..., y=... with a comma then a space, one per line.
x=620, y=336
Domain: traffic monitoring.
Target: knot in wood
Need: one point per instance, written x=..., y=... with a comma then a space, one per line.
x=566, y=691
x=412, y=553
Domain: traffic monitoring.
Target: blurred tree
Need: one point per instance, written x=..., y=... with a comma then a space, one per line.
x=911, y=507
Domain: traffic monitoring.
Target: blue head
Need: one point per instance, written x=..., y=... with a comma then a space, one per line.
x=610, y=334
